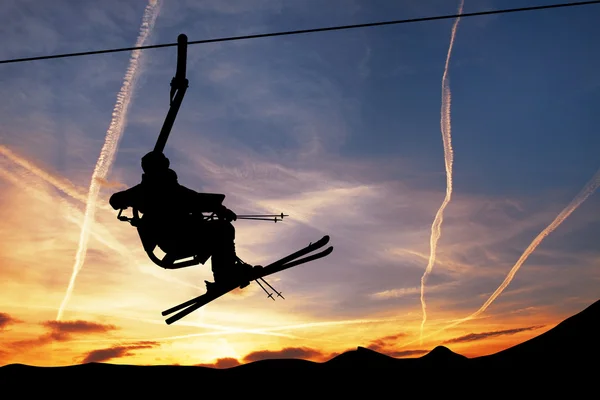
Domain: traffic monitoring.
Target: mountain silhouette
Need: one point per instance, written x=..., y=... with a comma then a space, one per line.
x=569, y=347
x=362, y=358
x=443, y=355
x=573, y=342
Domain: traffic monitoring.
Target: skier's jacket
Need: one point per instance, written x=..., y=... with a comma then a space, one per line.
x=169, y=209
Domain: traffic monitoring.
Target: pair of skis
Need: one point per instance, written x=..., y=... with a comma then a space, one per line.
x=284, y=263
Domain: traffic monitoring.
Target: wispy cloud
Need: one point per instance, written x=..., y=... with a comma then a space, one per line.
x=61, y=331
x=304, y=353
x=471, y=337
x=6, y=320
x=406, y=353
x=72, y=212
x=587, y=191
x=385, y=343
x=582, y=196
x=61, y=183
x=112, y=353
x=222, y=363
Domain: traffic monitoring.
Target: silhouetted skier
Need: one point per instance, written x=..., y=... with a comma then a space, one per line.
x=172, y=214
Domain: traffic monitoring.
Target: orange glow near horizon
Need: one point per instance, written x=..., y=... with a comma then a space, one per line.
x=115, y=317
x=115, y=311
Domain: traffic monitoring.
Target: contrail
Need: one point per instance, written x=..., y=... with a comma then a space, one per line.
x=63, y=185
x=223, y=330
x=586, y=192
x=19, y=180
x=111, y=142
x=73, y=214
x=449, y=159
x=329, y=323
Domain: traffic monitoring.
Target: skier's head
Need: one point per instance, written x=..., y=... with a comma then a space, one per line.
x=155, y=162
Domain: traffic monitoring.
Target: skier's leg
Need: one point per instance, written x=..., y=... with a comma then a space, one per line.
x=223, y=250
x=226, y=266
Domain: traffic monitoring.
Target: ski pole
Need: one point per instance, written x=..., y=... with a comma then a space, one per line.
x=263, y=215
x=259, y=219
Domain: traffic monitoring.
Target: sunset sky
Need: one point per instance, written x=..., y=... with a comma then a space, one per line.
x=342, y=131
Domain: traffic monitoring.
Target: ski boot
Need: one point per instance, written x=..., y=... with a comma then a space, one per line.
x=237, y=274
x=243, y=272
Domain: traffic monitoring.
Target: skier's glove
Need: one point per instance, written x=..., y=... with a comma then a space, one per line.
x=117, y=201
x=226, y=214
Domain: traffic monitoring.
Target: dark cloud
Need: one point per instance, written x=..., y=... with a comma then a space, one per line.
x=6, y=320
x=26, y=344
x=471, y=337
x=63, y=330
x=406, y=353
x=110, y=353
x=227, y=362
x=304, y=353
x=386, y=344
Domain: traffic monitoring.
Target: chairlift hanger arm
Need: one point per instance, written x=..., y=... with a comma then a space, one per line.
x=179, y=85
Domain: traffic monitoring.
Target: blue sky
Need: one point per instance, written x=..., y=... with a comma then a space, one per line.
x=341, y=130
x=537, y=67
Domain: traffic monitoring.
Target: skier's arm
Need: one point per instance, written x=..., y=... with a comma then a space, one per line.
x=207, y=202
x=125, y=198
x=202, y=202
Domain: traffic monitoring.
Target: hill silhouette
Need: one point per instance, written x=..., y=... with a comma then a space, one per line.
x=570, y=346
x=362, y=358
x=443, y=355
x=573, y=343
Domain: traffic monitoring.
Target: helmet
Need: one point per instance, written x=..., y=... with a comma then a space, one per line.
x=155, y=162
